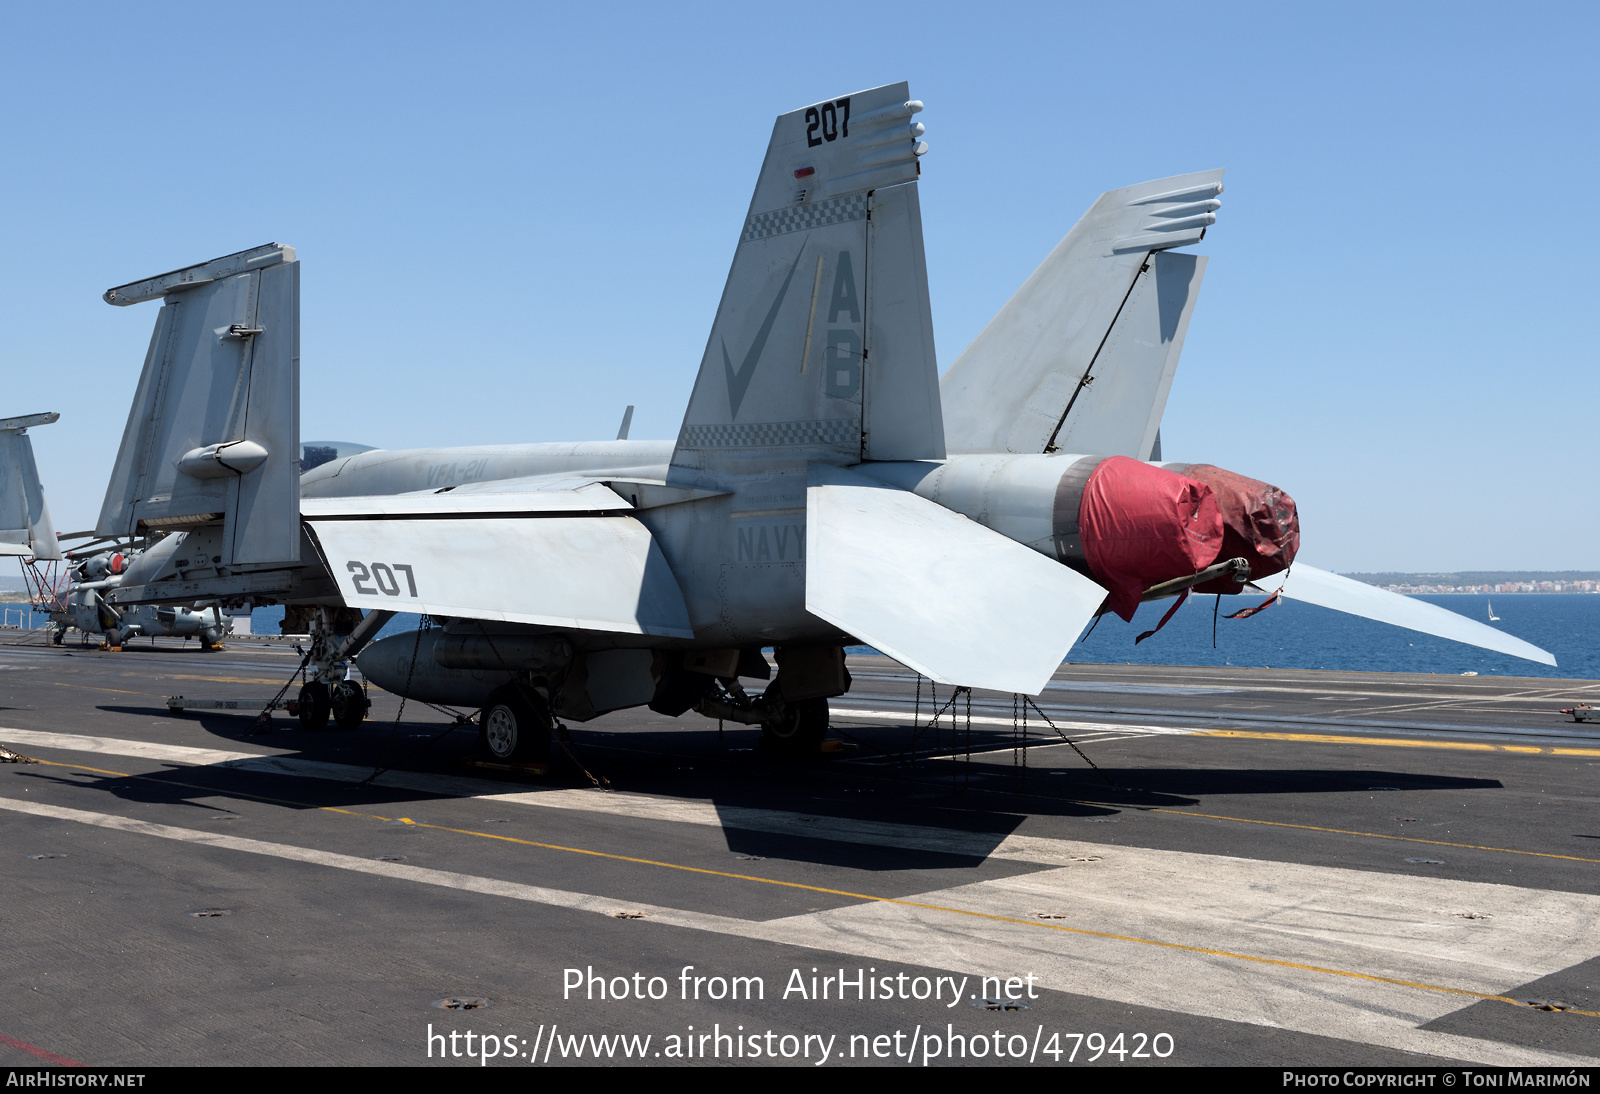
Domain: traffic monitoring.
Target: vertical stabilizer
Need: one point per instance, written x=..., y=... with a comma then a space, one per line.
x=1118, y=412
x=214, y=432
x=1082, y=357
x=902, y=419
x=822, y=348
x=25, y=526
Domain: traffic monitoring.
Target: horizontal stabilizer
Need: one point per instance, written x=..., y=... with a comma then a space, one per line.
x=938, y=592
x=1342, y=594
x=573, y=572
x=26, y=529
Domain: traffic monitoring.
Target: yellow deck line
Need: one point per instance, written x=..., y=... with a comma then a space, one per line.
x=224, y=679
x=91, y=687
x=1372, y=835
x=1394, y=742
x=1255, y=959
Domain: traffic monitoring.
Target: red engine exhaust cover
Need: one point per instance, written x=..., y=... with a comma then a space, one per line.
x=1260, y=522
x=1142, y=525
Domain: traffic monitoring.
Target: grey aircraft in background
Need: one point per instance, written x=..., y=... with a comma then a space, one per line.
x=85, y=597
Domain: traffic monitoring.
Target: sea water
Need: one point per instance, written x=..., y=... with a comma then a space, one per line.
x=1294, y=635
x=1288, y=635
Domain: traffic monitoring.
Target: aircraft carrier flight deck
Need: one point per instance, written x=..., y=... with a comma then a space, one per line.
x=1220, y=866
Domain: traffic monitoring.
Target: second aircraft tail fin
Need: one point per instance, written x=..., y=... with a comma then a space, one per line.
x=1082, y=357
x=25, y=526
x=214, y=432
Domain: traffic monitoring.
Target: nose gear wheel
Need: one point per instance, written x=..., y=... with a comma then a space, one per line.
x=315, y=706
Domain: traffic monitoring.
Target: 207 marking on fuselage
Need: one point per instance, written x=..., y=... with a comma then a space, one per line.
x=383, y=575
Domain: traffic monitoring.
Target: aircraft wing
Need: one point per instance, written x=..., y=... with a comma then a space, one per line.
x=935, y=590
x=560, y=558
x=1342, y=594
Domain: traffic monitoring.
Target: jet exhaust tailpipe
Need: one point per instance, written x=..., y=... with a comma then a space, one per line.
x=1127, y=524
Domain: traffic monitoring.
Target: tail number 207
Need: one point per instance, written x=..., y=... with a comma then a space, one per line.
x=383, y=575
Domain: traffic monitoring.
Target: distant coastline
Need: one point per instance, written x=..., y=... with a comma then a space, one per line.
x=1483, y=582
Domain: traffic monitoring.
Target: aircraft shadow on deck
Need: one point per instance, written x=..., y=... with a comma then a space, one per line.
x=912, y=798
x=1146, y=786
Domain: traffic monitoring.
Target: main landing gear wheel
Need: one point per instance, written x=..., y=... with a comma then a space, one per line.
x=349, y=704
x=797, y=728
x=315, y=706
x=514, y=727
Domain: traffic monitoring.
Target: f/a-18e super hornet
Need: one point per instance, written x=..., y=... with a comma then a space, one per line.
x=825, y=488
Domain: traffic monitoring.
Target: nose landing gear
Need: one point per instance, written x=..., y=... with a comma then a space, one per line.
x=316, y=703
x=349, y=704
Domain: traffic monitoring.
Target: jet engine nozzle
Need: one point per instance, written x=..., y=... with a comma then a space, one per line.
x=1135, y=525
x=1260, y=522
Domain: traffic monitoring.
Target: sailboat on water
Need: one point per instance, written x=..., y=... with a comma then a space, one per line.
x=1492, y=617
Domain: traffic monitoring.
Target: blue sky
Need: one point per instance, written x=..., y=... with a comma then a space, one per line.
x=514, y=220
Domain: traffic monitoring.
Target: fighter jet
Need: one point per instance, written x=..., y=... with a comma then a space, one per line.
x=817, y=494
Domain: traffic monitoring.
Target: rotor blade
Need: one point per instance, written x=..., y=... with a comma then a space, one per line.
x=1342, y=594
x=93, y=549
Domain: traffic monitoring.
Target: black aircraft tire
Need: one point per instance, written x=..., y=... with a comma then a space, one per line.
x=797, y=728
x=514, y=728
x=349, y=704
x=315, y=706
